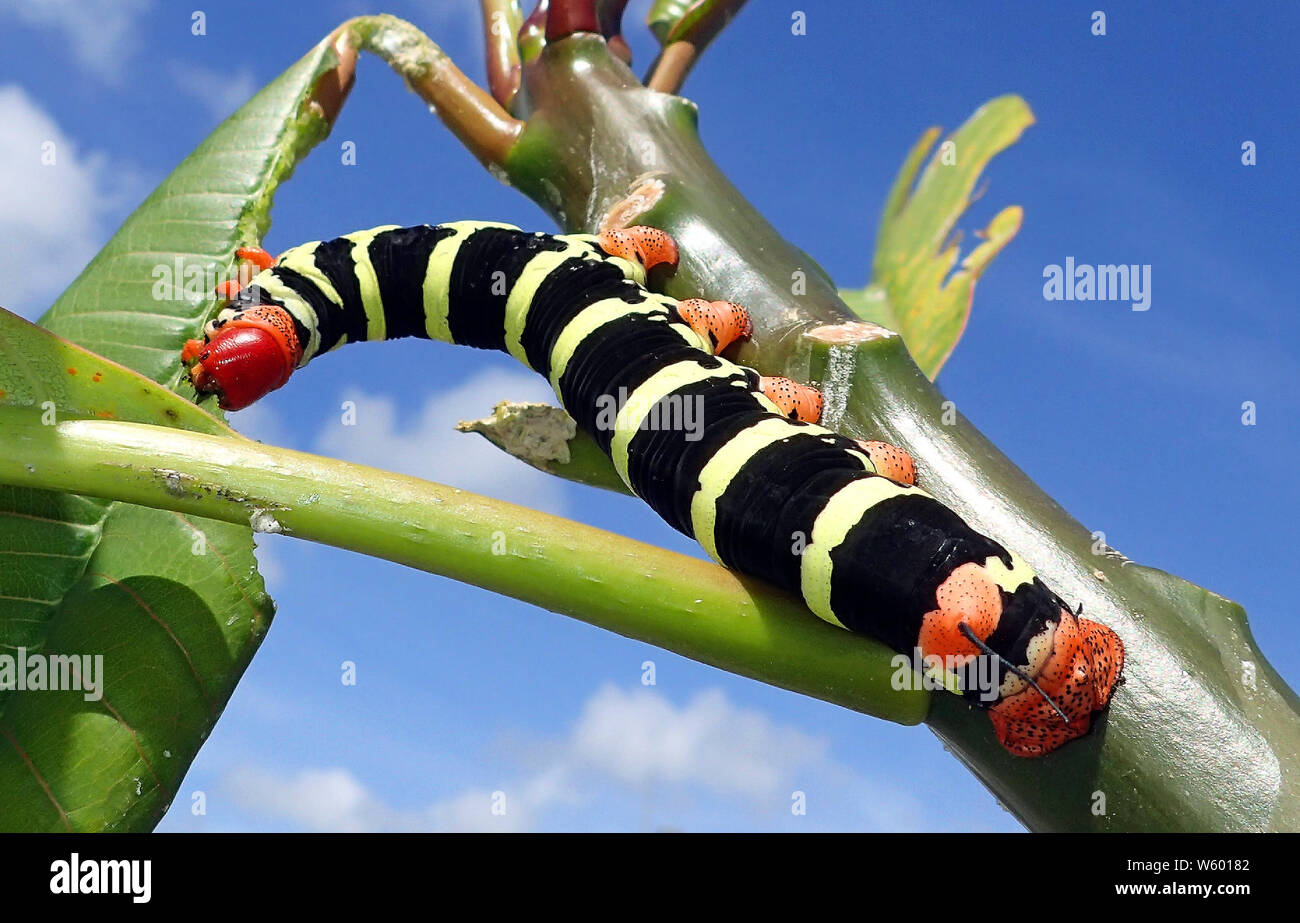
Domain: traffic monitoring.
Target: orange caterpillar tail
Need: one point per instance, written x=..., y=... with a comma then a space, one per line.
x=1080, y=676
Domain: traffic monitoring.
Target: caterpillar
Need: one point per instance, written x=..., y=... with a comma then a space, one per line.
x=762, y=487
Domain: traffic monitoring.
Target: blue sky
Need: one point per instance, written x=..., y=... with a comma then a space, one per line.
x=1132, y=420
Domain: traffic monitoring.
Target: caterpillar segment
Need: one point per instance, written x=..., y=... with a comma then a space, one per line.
x=796, y=401
x=731, y=458
x=647, y=246
x=721, y=323
x=890, y=460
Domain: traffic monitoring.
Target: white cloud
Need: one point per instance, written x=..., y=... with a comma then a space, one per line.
x=219, y=91
x=316, y=799
x=430, y=447
x=101, y=34
x=713, y=762
x=472, y=812
x=334, y=801
x=707, y=758
x=640, y=738
x=52, y=204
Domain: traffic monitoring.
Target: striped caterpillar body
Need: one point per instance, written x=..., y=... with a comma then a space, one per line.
x=764, y=489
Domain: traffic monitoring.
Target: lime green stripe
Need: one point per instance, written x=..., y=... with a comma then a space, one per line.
x=525, y=289
x=371, y=302
x=726, y=463
x=437, y=276
x=294, y=304
x=590, y=240
x=302, y=259
x=600, y=313
x=767, y=404
x=640, y=401
x=631, y=269
x=1009, y=578
x=841, y=513
x=719, y=471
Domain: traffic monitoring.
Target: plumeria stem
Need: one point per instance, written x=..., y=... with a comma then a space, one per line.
x=473, y=116
x=684, y=604
x=501, y=23
x=685, y=39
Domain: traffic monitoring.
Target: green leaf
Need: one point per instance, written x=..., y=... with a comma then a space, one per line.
x=173, y=603
x=914, y=290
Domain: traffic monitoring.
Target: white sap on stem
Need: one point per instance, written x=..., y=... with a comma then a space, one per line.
x=843, y=340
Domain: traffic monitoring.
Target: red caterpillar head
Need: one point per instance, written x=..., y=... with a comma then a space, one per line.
x=245, y=357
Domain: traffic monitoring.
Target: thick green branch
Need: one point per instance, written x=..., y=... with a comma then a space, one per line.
x=683, y=604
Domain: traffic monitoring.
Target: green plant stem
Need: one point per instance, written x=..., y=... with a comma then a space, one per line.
x=501, y=22
x=609, y=13
x=473, y=116
x=684, y=604
x=685, y=31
